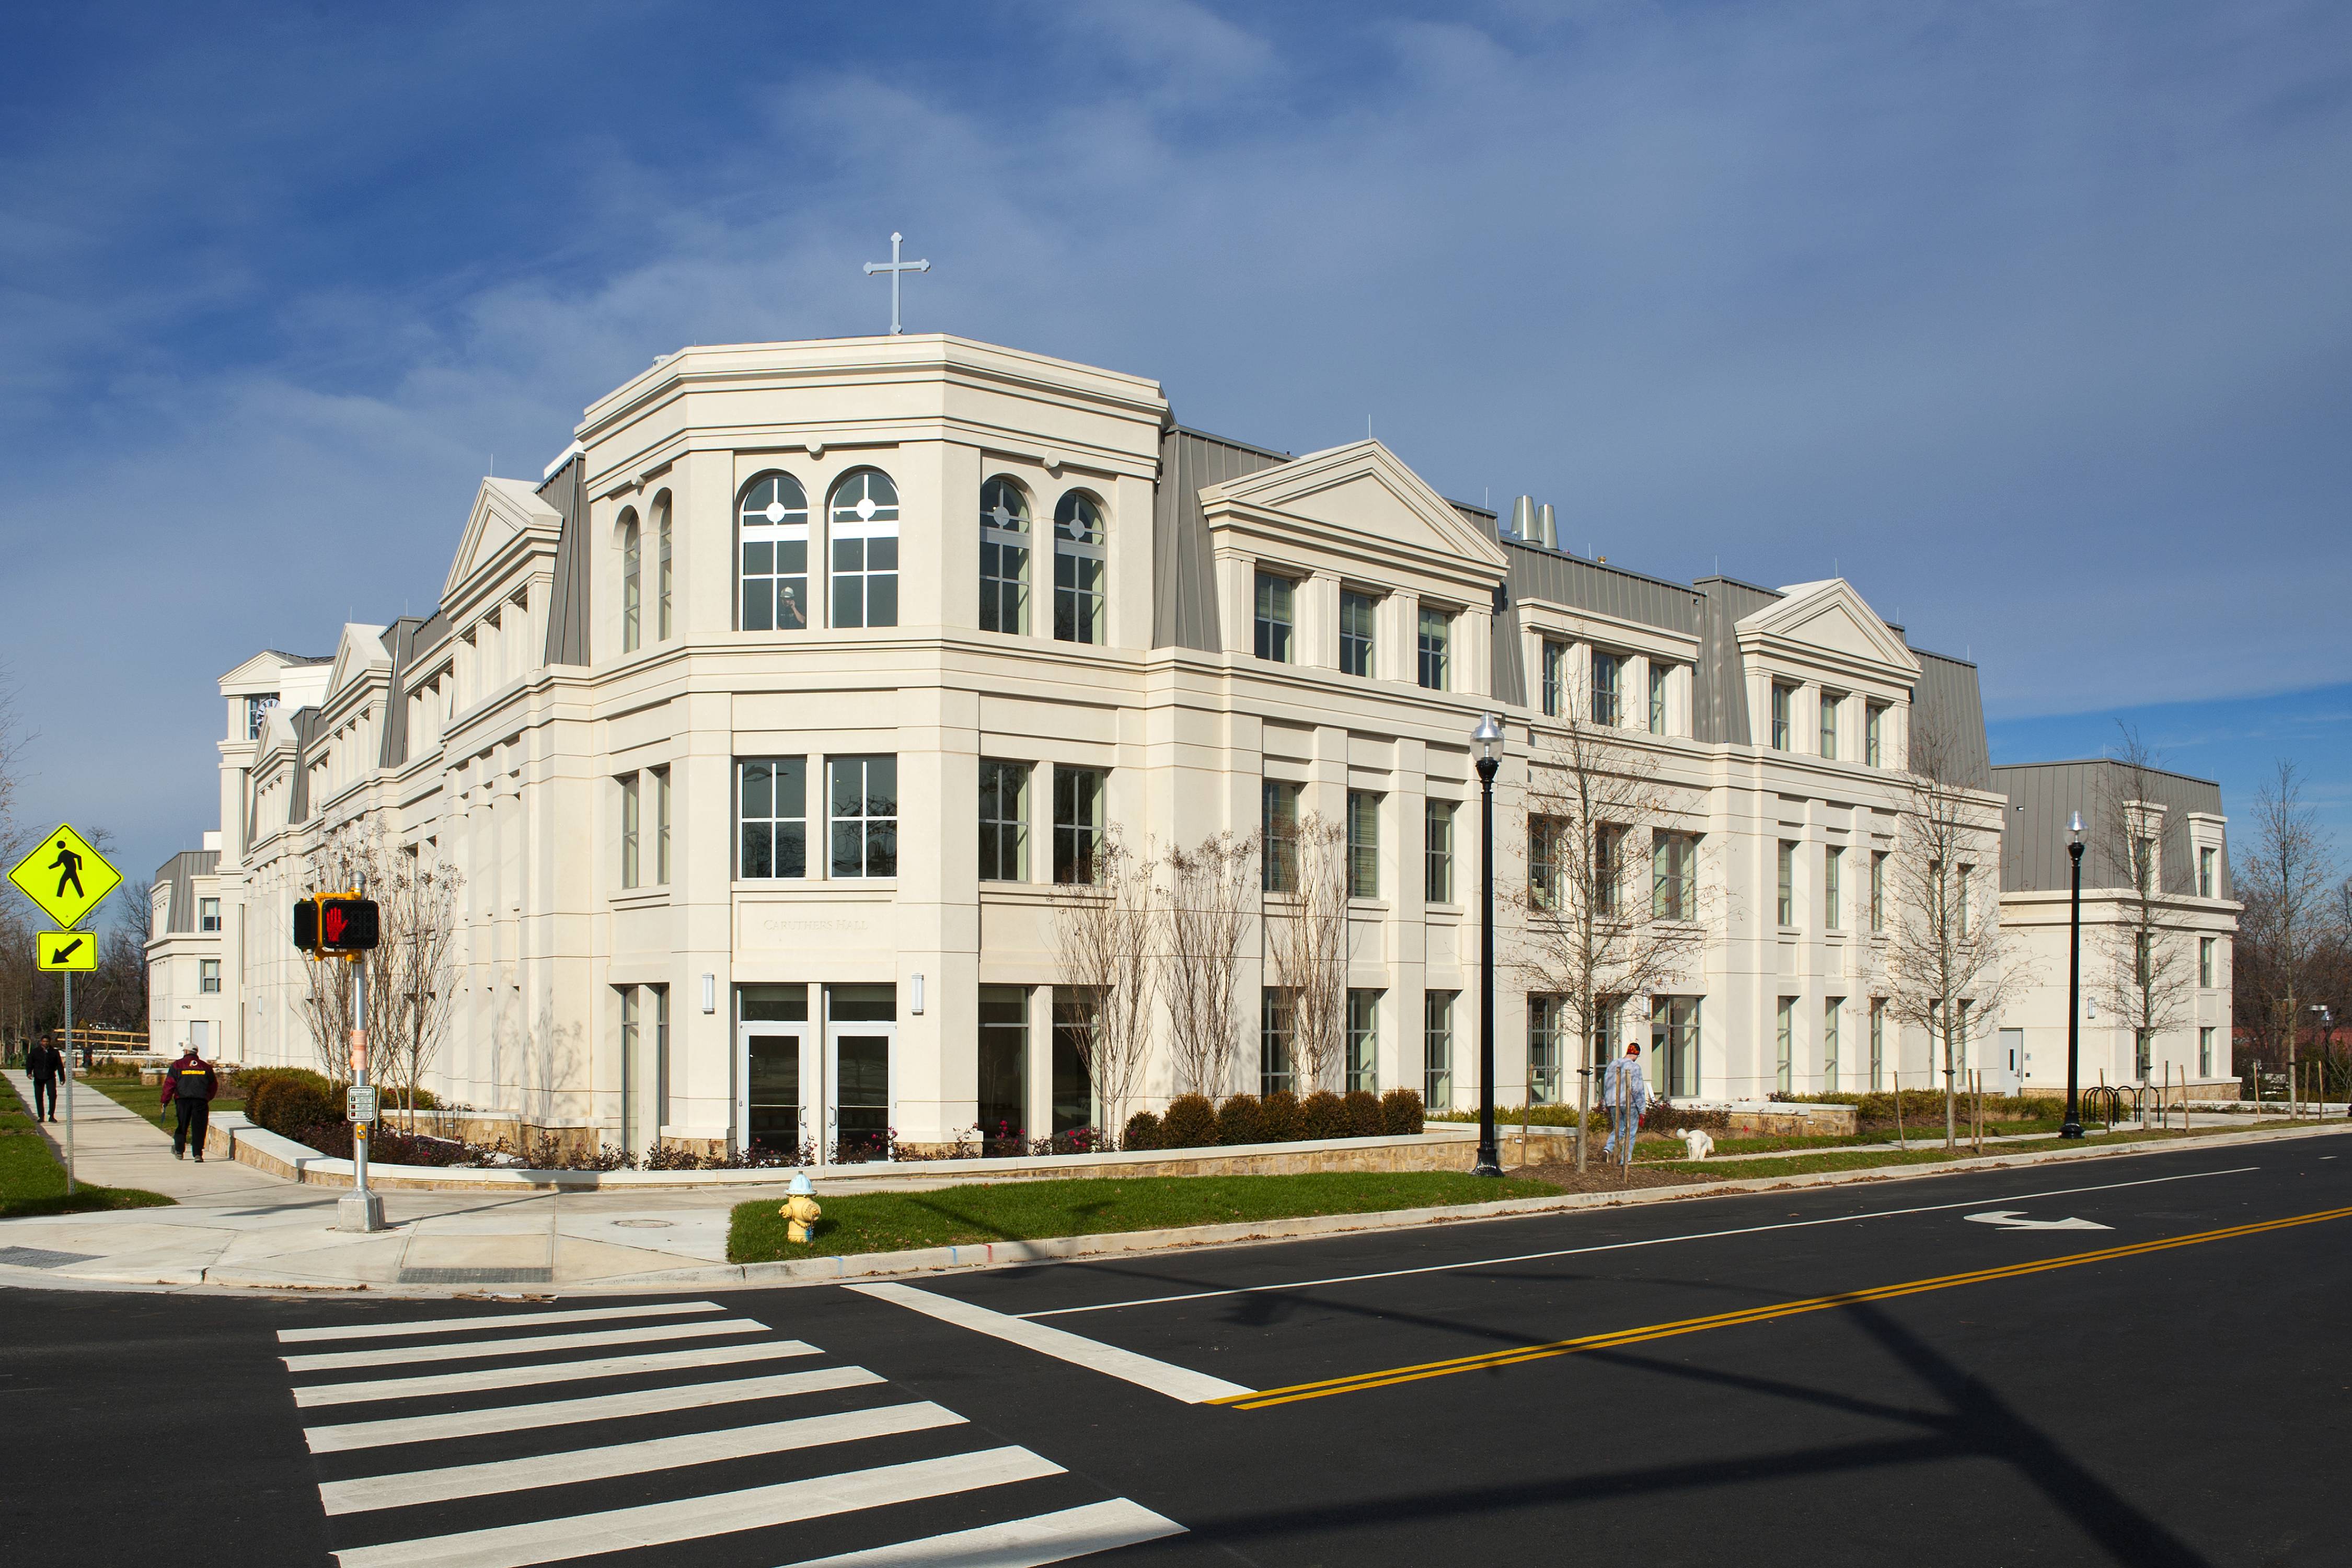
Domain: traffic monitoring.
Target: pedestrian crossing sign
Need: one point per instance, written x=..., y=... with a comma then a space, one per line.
x=67, y=949
x=65, y=875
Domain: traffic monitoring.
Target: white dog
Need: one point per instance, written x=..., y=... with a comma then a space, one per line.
x=1697, y=1140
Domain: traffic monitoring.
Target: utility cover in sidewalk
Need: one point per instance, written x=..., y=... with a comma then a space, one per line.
x=41, y=1258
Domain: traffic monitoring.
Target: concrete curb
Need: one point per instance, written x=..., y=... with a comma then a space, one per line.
x=999, y=1254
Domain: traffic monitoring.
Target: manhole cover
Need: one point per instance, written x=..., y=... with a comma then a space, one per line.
x=642, y=1224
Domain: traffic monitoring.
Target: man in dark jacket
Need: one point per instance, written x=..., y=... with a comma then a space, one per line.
x=44, y=1065
x=189, y=1085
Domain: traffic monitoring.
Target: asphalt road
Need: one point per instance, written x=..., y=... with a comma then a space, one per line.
x=1854, y=1374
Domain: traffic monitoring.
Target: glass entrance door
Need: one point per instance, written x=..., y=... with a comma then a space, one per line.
x=859, y=1082
x=776, y=1093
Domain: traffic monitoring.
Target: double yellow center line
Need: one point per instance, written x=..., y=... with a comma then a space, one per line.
x=1382, y=1379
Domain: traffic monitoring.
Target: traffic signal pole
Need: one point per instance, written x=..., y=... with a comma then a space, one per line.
x=363, y=1210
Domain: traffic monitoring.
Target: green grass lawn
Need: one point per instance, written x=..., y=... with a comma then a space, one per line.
x=139, y=1098
x=1025, y=1211
x=32, y=1179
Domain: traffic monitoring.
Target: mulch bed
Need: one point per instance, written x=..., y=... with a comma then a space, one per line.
x=1604, y=1176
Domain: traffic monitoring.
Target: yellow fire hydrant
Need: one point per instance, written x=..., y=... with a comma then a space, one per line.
x=800, y=1209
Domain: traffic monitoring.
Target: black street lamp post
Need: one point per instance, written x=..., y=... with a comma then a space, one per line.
x=2073, y=1124
x=1489, y=736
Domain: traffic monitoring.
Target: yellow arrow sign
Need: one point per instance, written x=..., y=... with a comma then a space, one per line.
x=65, y=876
x=66, y=949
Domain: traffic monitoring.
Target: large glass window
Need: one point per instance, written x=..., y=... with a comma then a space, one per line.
x=1555, y=677
x=2206, y=858
x=1363, y=844
x=773, y=539
x=1673, y=1044
x=1437, y=1050
x=1436, y=647
x=1078, y=554
x=1832, y=888
x=1785, y=1037
x=1273, y=1028
x=661, y=826
x=1437, y=851
x=1877, y=1044
x=1003, y=1062
x=1672, y=886
x=1785, y=901
x=1356, y=614
x=1074, y=1019
x=1276, y=616
x=1077, y=822
x=1659, y=675
x=663, y=575
x=629, y=827
x=864, y=807
x=208, y=974
x=208, y=917
x=864, y=524
x=2206, y=947
x=1543, y=1050
x=1003, y=821
x=1878, y=889
x=1608, y=671
x=1003, y=557
x=1784, y=697
x=1279, y=823
x=1831, y=1010
x=1608, y=867
x=1543, y=862
x=631, y=581
x=1363, y=1041
x=772, y=818
x=1830, y=702
x=1874, y=726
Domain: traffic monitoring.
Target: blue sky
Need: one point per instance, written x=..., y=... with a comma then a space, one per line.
x=2031, y=319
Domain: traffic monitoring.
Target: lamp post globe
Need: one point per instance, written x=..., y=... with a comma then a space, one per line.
x=2073, y=1126
x=1488, y=737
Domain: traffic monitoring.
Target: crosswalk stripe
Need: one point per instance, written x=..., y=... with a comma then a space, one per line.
x=689, y=1519
x=404, y=1488
x=472, y=1350
x=312, y=1395
x=355, y=1434
x=1021, y=1543
x=1181, y=1383
x=517, y=1321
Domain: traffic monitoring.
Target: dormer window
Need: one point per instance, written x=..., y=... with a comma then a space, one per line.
x=1003, y=557
x=1874, y=727
x=1555, y=677
x=1784, y=697
x=1831, y=701
x=1276, y=616
x=1436, y=647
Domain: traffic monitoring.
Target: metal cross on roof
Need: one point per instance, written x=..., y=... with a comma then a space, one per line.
x=895, y=266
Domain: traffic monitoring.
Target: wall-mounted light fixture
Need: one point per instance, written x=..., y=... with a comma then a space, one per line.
x=710, y=993
x=918, y=1007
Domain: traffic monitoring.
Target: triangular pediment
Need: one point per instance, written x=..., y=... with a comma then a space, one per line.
x=1361, y=487
x=503, y=511
x=1830, y=617
x=359, y=650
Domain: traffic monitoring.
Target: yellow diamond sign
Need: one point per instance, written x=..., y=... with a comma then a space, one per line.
x=65, y=876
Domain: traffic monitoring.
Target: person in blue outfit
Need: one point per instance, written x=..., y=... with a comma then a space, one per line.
x=1623, y=1091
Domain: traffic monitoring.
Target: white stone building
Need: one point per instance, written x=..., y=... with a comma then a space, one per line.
x=2193, y=924
x=760, y=730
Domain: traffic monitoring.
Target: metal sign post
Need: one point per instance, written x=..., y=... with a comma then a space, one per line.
x=67, y=978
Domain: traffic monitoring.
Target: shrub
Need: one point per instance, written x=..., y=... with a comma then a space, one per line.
x=1239, y=1120
x=1191, y=1122
x=1363, y=1109
x=1400, y=1111
x=255, y=1086
x=1142, y=1131
x=291, y=1107
x=1279, y=1120
x=1323, y=1115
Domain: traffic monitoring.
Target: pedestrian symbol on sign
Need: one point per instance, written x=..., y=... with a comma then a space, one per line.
x=68, y=865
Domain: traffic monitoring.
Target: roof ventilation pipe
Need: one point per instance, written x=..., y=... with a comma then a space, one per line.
x=1523, y=518
x=1547, y=527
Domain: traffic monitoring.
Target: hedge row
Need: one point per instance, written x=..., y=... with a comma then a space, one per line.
x=1282, y=1116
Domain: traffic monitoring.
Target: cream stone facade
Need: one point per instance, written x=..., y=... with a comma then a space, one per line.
x=2195, y=920
x=758, y=730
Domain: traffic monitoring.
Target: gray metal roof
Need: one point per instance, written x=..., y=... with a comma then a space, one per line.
x=1946, y=702
x=2043, y=795
x=1184, y=575
x=567, y=607
x=178, y=873
x=400, y=640
x=306, y=731
x=1719, y=684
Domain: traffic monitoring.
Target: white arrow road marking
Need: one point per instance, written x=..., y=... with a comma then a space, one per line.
x=2014, y=1219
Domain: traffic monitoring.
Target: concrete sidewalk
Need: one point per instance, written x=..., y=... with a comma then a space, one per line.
x=115, y=1147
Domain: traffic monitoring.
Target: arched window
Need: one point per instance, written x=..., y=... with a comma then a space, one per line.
x=863, y=523
x=632, y=585
x=661, y=566
x=1003, y=557
x=772, y=536
x=1078, y=569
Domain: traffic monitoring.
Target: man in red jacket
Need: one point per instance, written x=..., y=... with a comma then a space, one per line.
x=189, y=1085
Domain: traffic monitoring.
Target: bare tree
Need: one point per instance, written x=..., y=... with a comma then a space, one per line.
x=409, y=1016
x=1601, y=929
x=1105, y=927
x=1947, y=959
x=1211, y=891
x=1307, y=938
x=2152, y=977
x=2284, y=877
